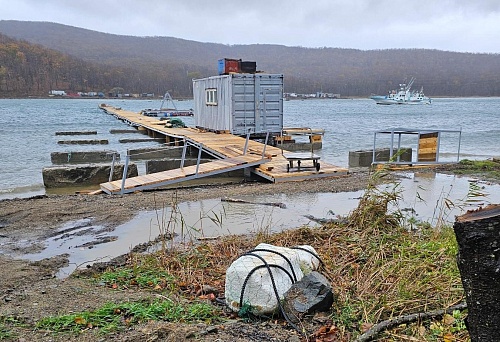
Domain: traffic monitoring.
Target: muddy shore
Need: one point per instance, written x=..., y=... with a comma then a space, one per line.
x=35, y=218
x=30, y=290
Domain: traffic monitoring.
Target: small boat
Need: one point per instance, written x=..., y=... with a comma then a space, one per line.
x=403, y=96
x=167, y=112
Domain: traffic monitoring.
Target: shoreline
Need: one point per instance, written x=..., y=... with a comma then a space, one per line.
x=35, y=97
x=31, y=291
x=35, y=218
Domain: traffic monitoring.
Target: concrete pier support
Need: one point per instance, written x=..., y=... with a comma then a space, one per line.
x=155, y=153
x=59, y=158
x=66, y=176
x=364, y=158
x=153, y=166
x=83, y=142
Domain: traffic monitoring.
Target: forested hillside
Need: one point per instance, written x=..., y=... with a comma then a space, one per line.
x=100, y=62
x=32, y=70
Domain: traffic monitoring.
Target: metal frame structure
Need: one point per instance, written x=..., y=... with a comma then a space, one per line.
x=201, y=148
x=406, y=131
x=301, y=156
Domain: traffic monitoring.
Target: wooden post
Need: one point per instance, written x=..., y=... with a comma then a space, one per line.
x=478, y=237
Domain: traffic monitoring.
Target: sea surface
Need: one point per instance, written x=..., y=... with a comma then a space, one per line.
x=28, y=127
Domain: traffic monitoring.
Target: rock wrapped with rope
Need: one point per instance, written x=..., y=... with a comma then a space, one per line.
x=258, y=280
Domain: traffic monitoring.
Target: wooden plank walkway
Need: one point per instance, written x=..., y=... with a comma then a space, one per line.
x=157, y=179
x=266, y=161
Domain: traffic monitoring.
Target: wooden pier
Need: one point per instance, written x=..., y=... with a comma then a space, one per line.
x=263, y=160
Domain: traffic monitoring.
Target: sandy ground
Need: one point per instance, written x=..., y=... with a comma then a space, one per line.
x=30, y=290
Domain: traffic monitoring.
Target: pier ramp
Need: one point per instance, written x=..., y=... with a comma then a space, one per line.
x=231, y=152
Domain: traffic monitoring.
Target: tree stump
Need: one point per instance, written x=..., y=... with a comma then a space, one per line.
x=478, y=237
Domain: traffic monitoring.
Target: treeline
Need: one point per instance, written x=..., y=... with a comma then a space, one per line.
x=76, y=59
x=33, y=70
x=29, y=70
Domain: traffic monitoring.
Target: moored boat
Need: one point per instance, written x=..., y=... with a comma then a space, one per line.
x=403, y=96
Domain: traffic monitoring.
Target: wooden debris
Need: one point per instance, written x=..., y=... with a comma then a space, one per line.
x=234, y=200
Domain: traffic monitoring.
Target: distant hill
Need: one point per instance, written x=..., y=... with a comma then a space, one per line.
x=33, y=70
x=157, y=64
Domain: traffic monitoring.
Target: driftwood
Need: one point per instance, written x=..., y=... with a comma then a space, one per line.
x=478, y=238
x=371, y=333
x=325, y=220
x=235, y=200
x=207, y=238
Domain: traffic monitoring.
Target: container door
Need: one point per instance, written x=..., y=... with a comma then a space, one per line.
x=257, y=103
x=269, y=102
x=243, y=104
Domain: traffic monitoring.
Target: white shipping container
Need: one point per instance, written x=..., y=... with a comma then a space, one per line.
x=239, y=103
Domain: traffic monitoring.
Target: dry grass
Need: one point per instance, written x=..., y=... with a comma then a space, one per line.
x=378, y=269
x=375, y=276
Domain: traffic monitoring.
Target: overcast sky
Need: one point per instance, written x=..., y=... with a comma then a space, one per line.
x=452, y=25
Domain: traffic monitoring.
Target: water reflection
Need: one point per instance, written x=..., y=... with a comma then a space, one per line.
x=424, y=193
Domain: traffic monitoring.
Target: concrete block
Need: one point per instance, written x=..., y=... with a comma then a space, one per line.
x=129, y=140
x=159, y=165
x=84, y=142
x=77, y=133
x=65, y=176
x=120, y=131
x=364, y=158
x=86, y=157
x=155, y=153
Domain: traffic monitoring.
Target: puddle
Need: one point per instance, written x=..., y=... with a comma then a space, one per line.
x=87, y=243
x=427, y=192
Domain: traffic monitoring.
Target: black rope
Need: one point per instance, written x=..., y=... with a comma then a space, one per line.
x=255, y=269
x=275, y=291
x=310, y=252
x=294, y=280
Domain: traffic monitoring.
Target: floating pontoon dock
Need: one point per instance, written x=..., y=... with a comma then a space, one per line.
x=233, y=152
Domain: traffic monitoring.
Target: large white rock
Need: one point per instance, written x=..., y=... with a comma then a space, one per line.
x=258, y=292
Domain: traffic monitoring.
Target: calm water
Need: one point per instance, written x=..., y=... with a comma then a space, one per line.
x=28, y=126
x=423, y=193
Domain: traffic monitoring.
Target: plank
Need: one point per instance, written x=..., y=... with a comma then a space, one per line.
x=227, y=145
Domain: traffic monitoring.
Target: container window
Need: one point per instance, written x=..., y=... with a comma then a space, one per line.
x=211, y=96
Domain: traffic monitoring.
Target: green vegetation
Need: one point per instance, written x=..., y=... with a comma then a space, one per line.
x=384, y=270
x=137, y=276
x=381, y=263
x=113, y=317
x=489, y=168
x=5, y=327
x=486, y=165
x=4, y=332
